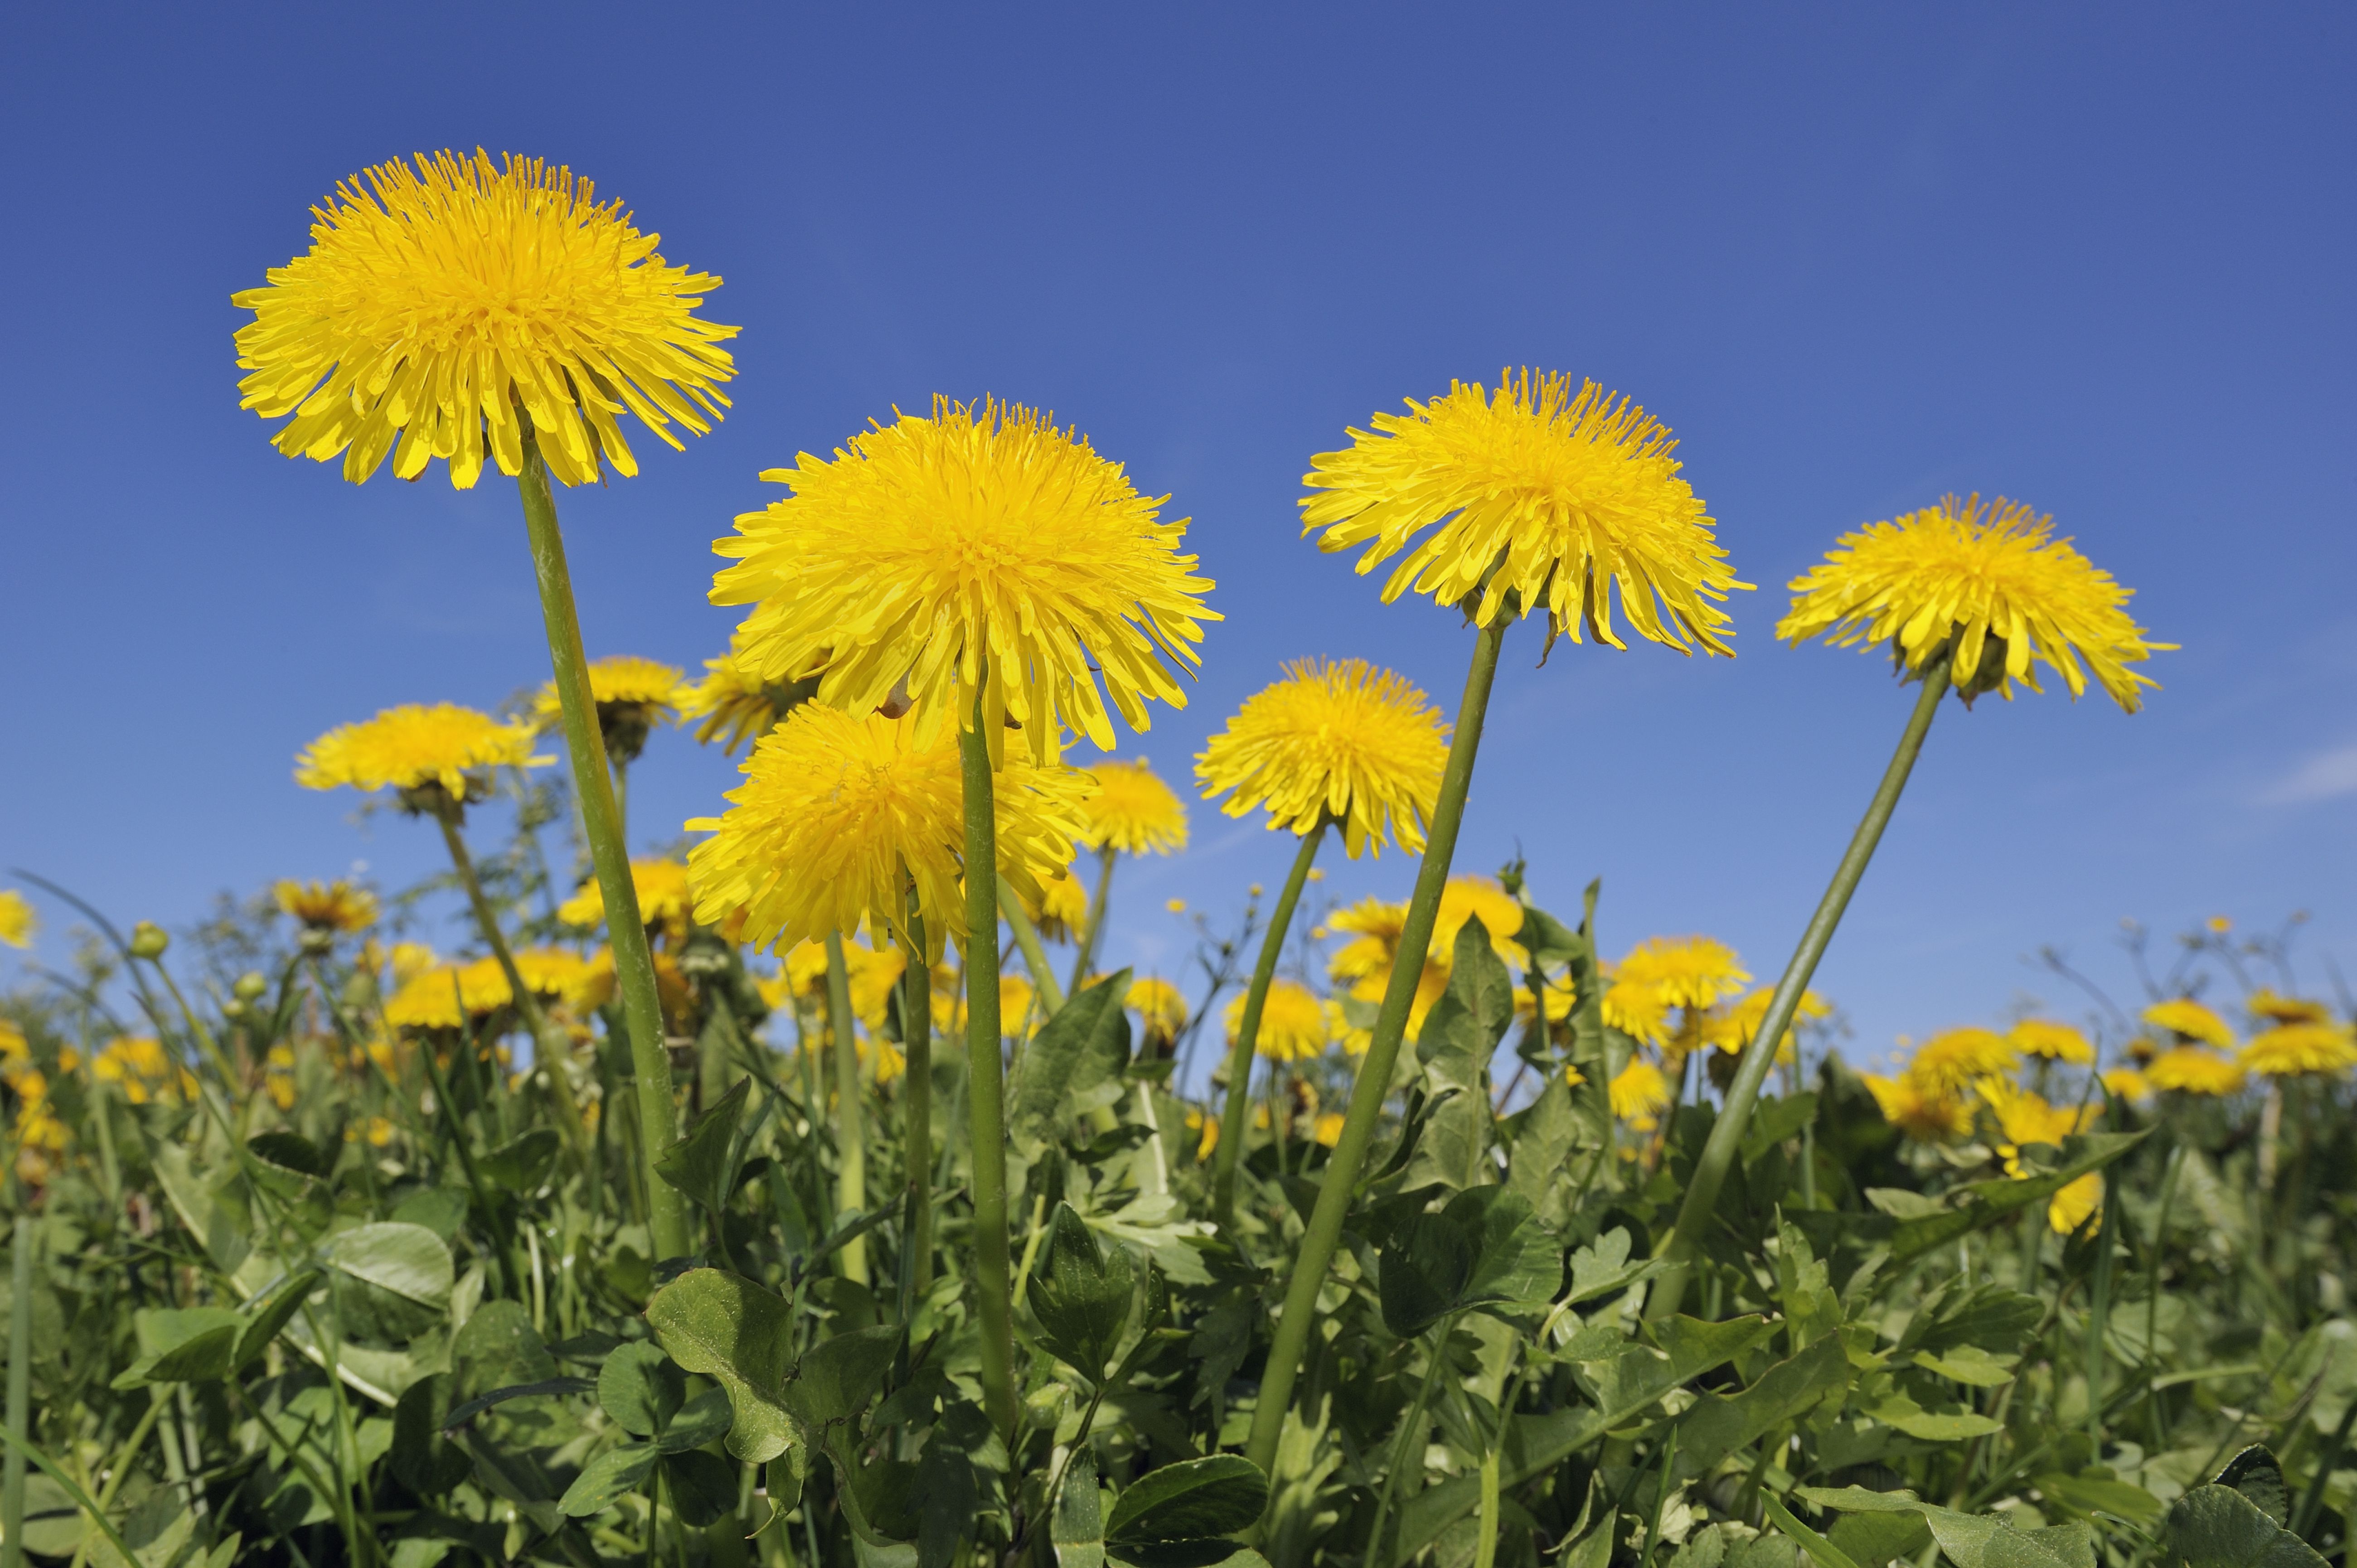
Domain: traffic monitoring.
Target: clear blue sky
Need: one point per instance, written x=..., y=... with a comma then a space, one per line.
x=2093, y=257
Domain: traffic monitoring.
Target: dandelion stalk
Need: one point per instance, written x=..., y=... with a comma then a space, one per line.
x=1035, y=957
x=1373, y=1083
x=1097, y=897
x=850, y=1125
x=634, y=965
x=1735, y=1113
x=1240, y=1054
x=916, y=1114
x=987, y=1088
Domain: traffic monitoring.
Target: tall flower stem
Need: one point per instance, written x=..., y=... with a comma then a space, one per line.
x=986, y=1078
x=1735, y=1112
x=549, y=1048
x=634, y=964
x=1240, y=1054
x=1095, y=928
x=850, y=1124
x=20, y=1387
x=1035, y=957
x=916, y=1114
x=1374, y=1080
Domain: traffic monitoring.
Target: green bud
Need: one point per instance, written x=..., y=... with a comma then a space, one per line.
x=250, y=987
x=149, y=940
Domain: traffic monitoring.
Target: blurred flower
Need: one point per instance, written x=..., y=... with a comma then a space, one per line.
x=1996, y=580
x=410, y=959
x=17, y=921
x=2024, y=1117
x=1334, y=738
x=460, y=302
x=2053, y=1041
x=1924, y=1111
x=278, y=1077
x=2071, y=1207
x=1635, y=1009
x=1684, y=971
x=1948, y=1065
x=1463, y=897
x=1731, y=1029
x=1327, y=1128
x=1639, y=1093
x=2127, y=1083
x=633, y=695
x=414, y=750
x=1365, y=963
x=1209, y=1126
x=2184, y=1016
x=2187, y=1069
x=140, y=1068
x=1294, y=1024
x=1015, y=996
x=2276, y=1009
x=1132, y=810
x=374, y=1131
x=1063, y=909
x=1157, y=1003
x=1549, y=494
x=334, y=907
x=445, y=995
x=1175, y=905
x=977, y=539
x=2289, y=1050
x=662, y=887
x=732, y=705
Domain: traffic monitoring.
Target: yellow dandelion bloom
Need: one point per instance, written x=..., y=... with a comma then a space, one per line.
x=1639, y=1092
x=413, y=747
x=2278, y=1009
x=1551, y=495
x=618, y=680
x=1014, y=996
x=333, y=907
x=140, y=1068
x=2190, y=1020
x=1327, y=1128
x=1363, y=964
x=411, y=959
x=1684, y=971
x=1951, y=1063
x=1635, y=1009
x=278, y=1077
x=1731, y=1029
x=375, y=1131
x=1559, y=998
x=2054, y=1042
x=987, y=554
x=2189, y=1069
x=1461, y=898
x=733, y=705
x=459, y=305
x=1063, y=909
x=1994, y=578
x=1925, y=1113
x=1208, y=1127
x=838, y=812
x=445, y=995
x=2289, y=1050
x=2024, y=1117
x=664, y=897
x=1159, y=1003
x=1132, y=810
x=2127, y=1083
x=1294, y=1024
x=1336, y=739
x=17, y=921
x=2072, y=1206
x=871, y=976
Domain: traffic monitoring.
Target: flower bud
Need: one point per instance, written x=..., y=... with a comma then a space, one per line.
x=250, y=987
x=149, y=940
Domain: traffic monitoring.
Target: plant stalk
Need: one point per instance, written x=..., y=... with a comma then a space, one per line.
x=917, y=1109
x=1035, y=957
x=1373, y=1086
x=549, y=1046
x=1240, y=1053
x=1095, y=928
x=20, y=1390
x=1734, y=1114
x=850, y=1124
x=985, y=1077
x=634, y=965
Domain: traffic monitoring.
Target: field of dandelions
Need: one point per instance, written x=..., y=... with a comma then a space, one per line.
x=816, y=1198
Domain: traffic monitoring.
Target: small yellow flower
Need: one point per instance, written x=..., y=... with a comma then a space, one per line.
x=1327, y=1128
x=2184, y=1016
x=1159, y=1003
x=1684, y=971
x=1925, y=1113
x=1949, y=1064
x=1639, y=1093
x=1015, y=996
x=664, y=897
x=1635, y=1009
x=411, y=748
x=1552, y=495
x=1365, y=963
x=871, y=975
x=2055, y=1042
x=1132, y=810
x=140, y=1068
x=278, y=1077
x=1995, y=579
x=1336, y=739
x=411, y=959
x=2072, y=1206
x=375, y=1131
x=1295, y=1025
x=2276, y=1009
x=462, y=305
x=2189, y=1069
x=2219, y=924
x=1209, y=1126
x=2289, y=1050
x=334, y=907
x=17, y=921
x=1463, y=897
x=732, y=705
x=632, y=695
x=1731, y=1029
x=1063, y=909
x=2127, y=1083
x=2024, y=1117
x=1175, y=905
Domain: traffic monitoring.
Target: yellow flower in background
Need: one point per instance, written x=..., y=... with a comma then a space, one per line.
x=1363, y=964
x=2053, y=1041
x=331, y=907
x=278, y=1077
x=1159, y=1003
x=1461, y=898
x=1208, y=1127
x=1639, y=1093
x=2127, y=1083
x=1635, y=1009
x=1327, y=1128
x=1063, y=909
x=838, y=812
x=733, y=705
x=1924, y=1111
x=2289, y=1050
x=1993, y=577
x=1014, y=1005
x=1559, y=998
x=2184, y=1016
x=618, y=680
x=2072, y=1206
x=458, y=305
x=445, y=995
x=17, y=921
x=929, y=547
x=140, y=1068
x=1334, y=738
x=871, y=975
x=551, y=972
x=664, y=899
x=2026, y=1118
x=1949, y=1064
x=1684, y=971
x=2276, y=1009
x=1132, y=810
x=1294, y=1024
x=2189, y=1069
x=376, y=1131
x=410, y=959
x=411, y=746
x=1552, y=495
x=1731, y=1029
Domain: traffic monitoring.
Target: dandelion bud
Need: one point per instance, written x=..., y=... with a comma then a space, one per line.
x=250, y=987
x=149, y=940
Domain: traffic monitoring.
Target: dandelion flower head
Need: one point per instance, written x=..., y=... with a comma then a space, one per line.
x=2190, y=1069
x=1294, y=1024
x=412, y=748
x=1063, y=909
x=1684, y=971
x=2024, y=1117
x=1463, y=898
x=2054, y=1042
x=1132, y=810
x=1639, y=1093
x=1732, y=1029
x=1953, y=1062
x=976, y=553
x=2127, y=1083
x=458, y=305
x=17, y=921
x=327, y=906
x=1566, y=493
x=1924, y=1111
x=1994, y=578
x=1159, y=1003
x=734, y=705
x=1335, y=739
x=2276, y=1008
x=2184, y=1016
x=2289, y=1050
x=662, y=891
x=2072, y=1206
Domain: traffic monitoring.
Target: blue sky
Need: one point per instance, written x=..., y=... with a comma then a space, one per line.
x=2092, y=257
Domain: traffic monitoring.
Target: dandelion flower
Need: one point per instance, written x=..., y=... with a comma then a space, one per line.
x=1295, y=1025
x=409, y=958
x=418, y=751
x=1365, y=963
x=445, y=995
x=1684, y=971
x=2278, y=1009
x=633, y=695
x=2127, y=1083
x=1635, y=1009
x=1551, y=495
x=2189, y=1019
x=333, y=907
x=2289, y=1050
x=1995, y=579
x=2053, y=1041
x=1951, y=1063
x=1159, y=1003
x=1639, y=1094
x=1462, y=898
x=2024, y=1117
x=664, y=897
x=839, y=812
x=1336, y=739
x=1132, y=810
x=1327, y=1128
x=141, y=1071
x=734, y=705
x=458, y=306
x=2071, y=1207
x=871, y=975
x=1208, y=1127
x=1732, y=1029
x=2189, y=1069
x=1924, y=1111
x=17, y=921
x=979, y=553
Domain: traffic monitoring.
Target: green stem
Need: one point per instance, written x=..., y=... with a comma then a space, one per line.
x=850, y=1124
x=985, y=1077
x=1035, y=957
x=549, y=1045
x=1373, y=1083
x=634, y=965
x=917, y=1113
x=1095, y=928
x=1240, y=1053
x=1411, y=1428
x=20, y=1391
x=2099, y=1311
x=1734, y=1114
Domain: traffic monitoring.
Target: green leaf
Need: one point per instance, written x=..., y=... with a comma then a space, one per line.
x=1716, y=1425
x=1987, y=1202
x=1826, y=1553
x=725, y=1326
x=835, y=1380
x=1515, y=1262
x=1421, y=1272
x=2218, y=1526
x=1461, y=1033
x=291, y=1152
x=1217, y=1495
x=55, y=1525
x=1082, y=1294
x=221, y=1227
x=496, y=1348
x=702, y=1163
x=641, y=1389
x=2101, y=1494
x=608, y=1479
x=1933, y=1426
x=1970, y=1540
x=1077, y=1532
x=1603, y=1267
x=182, y=1344
x=1073, y=1065
x=703, y=1487
x=545, y=1387
x=441, y=1209
x=523, y=1166
x=704, y=1419
x=1969, y=1365
x=2255, y=1473
x=270, y=1312
x=425, y=1461
x=391, y=1280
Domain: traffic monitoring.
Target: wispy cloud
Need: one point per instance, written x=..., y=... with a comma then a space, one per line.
x=2320, y=777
